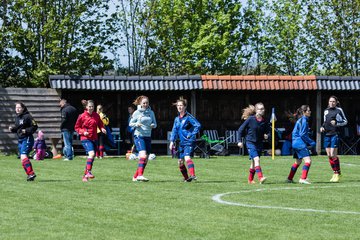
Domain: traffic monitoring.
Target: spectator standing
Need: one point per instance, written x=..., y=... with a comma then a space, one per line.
x=25, y=126
x=101, y=136
x=69, y=116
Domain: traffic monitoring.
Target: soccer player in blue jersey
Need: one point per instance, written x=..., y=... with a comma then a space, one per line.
x=300, y=141
x=334, y=118
x=185, y=128
x=255, y=129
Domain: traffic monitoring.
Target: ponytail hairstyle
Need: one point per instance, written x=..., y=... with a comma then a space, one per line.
x=182, y=100
x=336, y=99
x=22, y=106
x=248, y=111
x=138, y=100
x=301, y=111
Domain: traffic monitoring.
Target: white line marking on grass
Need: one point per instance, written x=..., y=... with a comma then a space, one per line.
x=350, y=164
x=217, y=198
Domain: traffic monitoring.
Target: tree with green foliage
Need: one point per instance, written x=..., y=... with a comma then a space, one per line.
x=55, y=37
x=334, y=30
x=194, y=37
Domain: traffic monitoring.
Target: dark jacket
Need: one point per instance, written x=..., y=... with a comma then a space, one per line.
x=69, y=116
x=336, y=114
x=185, y=129
x=253, y=130
x=24, y=121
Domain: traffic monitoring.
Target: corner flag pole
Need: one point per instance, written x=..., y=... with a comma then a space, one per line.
x=273, y=119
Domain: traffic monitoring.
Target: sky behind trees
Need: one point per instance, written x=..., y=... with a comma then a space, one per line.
x=175, y=37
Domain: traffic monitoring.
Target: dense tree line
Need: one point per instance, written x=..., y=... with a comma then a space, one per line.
x=173, y=37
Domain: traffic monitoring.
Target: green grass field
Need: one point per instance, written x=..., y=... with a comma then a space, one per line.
x=58, y=205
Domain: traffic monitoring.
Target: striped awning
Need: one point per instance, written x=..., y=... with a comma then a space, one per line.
x=126, y=83
x=262, y=82
x=204, y=82
x=338, y=83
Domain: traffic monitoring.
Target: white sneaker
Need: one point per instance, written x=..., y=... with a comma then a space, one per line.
x=142, y=179
x=134, y=179
x=304, y=181
x=262, y=180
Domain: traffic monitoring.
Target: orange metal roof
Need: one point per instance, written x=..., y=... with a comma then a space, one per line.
x=262, y=82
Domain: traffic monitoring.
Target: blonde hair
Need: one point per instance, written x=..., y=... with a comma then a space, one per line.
x=138, y=100
x=90, y=102
x=250, y=110
x=182, y=100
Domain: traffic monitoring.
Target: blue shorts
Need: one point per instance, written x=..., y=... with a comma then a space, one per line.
x=253, y=150
x=185, y=151
x=300, y=153
x=142, y=143
x=89, y=145
x=331, y=141
x=25, y=145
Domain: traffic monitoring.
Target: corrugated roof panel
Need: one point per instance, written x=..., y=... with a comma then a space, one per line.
x=208, y=82
x=277, y=84
x=281, y=84
x=329, y=85
x=167, y=85
x=347, y=85
x=332, y=85
x=193, y=85
x=357, y=85
x=155, y=85
x=180, y=85
x=107, y=84
x=187, y=85
x=256, y=84
x=216, y=84
x=175, y=85
x=303, y=85
x=230, y=85
x=340, y=84
x=242, y=85
x=351, y=85
x=184, y=85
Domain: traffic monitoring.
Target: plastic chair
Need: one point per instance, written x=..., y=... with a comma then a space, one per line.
x=213, y=140
x=348, y=142
x=232, y=139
